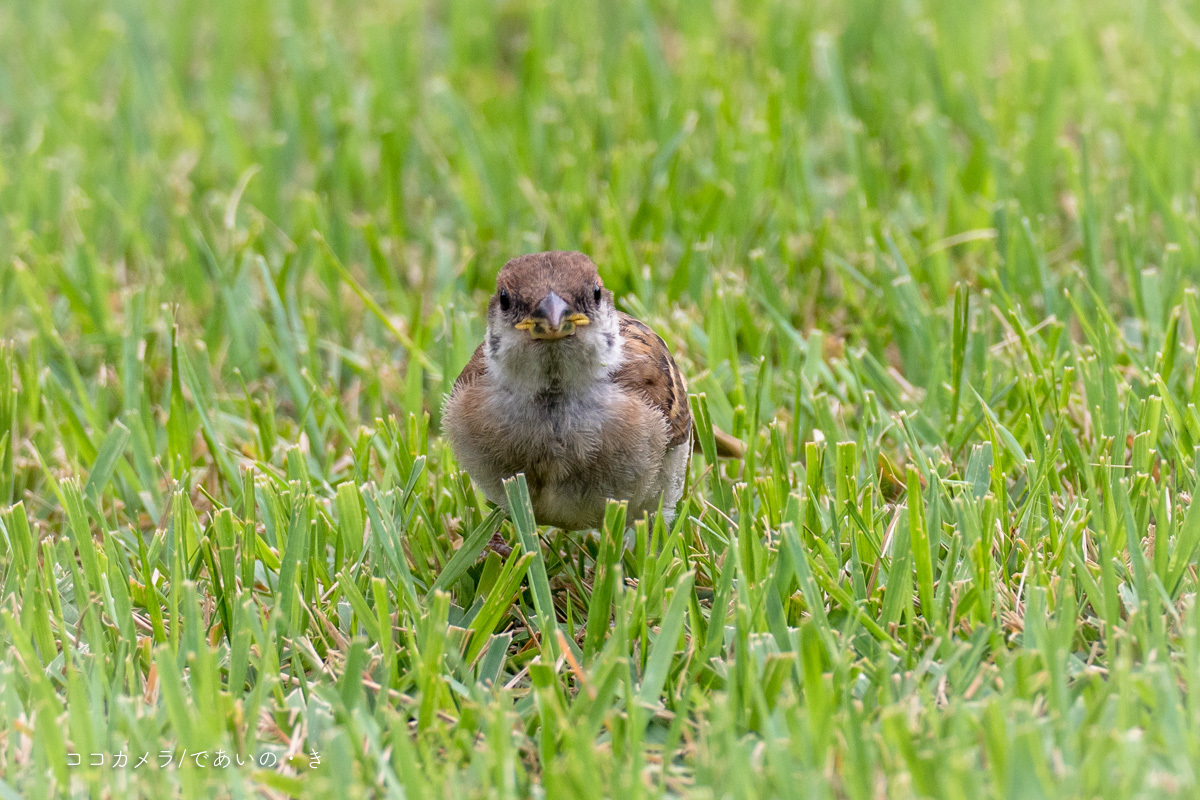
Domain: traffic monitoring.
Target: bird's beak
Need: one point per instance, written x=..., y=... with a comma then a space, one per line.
x=552, y=319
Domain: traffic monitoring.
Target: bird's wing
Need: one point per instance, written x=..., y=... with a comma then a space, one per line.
x=647, y=369
x=475, y=369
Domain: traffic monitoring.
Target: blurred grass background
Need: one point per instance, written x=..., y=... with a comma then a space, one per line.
x=934, y=261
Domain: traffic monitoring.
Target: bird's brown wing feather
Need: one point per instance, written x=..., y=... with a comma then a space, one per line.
x=648, y=369
x=473, y=371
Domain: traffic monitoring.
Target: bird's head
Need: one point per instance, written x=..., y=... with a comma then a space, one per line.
x=551, y=321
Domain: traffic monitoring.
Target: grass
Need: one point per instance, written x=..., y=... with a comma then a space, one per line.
x=934, y=262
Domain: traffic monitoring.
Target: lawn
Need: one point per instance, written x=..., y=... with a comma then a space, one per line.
x=934, y=262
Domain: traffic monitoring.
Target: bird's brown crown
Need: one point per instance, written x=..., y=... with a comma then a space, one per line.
x=526, y=281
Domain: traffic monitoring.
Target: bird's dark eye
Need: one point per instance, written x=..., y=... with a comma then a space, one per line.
x=505, y=302
x=596, y=293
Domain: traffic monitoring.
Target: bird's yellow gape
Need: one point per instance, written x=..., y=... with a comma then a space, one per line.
x=541, y=329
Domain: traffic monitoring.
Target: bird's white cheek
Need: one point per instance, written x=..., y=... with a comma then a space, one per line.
x=610, y=338
x=503, y=340
x=513, y=356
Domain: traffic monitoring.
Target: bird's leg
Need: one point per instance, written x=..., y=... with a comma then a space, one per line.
x=497, y=545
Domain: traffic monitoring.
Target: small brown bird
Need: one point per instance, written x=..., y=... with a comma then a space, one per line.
x=582, y=398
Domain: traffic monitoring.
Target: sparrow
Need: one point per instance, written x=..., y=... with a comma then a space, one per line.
x=583, y=399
